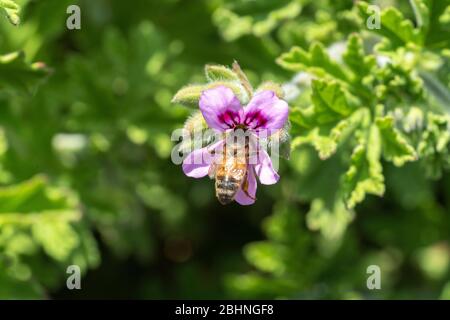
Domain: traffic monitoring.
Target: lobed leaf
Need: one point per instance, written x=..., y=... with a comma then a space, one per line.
x=434, y=145
x=393, y=25
x=395, y=147
x=233, y=25
x=324, y=140
x=315, y=61
x=356, y=59
x=12, y=10
x=327, y=119
x=45, y=214
x=330, y=101
x=365, y=173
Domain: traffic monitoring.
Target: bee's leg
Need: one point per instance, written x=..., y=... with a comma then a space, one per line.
x=245, y=188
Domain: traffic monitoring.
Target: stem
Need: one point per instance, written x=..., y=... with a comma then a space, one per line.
x=416, y=13
x=437, y=89
x=243, y=79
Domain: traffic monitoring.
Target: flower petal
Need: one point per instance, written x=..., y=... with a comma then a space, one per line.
x=220, y=108
x=266, y=111
x=198, y=162
x=241, y=197
x=264, y=169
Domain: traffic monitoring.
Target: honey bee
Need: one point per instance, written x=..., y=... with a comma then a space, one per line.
x=230, y=169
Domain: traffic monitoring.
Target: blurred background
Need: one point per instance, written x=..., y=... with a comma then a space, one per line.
x=87, y=178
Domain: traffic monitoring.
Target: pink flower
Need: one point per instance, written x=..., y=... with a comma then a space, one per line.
x=223, y=112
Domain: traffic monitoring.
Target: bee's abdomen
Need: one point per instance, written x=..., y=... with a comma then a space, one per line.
x=226, y=188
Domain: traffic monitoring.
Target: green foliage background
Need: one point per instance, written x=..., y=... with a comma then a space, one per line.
x=85, y=142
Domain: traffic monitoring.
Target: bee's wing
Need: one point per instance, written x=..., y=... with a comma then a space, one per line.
x=283, y=139
x=216, y=150
x=212, y=171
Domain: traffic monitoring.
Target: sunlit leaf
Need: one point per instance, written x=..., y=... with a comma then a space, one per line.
x=365, y=173
x=395, y=147
x=12, y=9
x=16, y=73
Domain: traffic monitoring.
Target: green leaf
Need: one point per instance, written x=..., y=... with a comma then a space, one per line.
x=315, y=61
x=331, y=222
x=437, y=88
x=365, y=173
x=445, y=17
x=434, y=145
x=356, y=59
x=330, y=101
x=327, y=119
x=47, y=213
x=219, y=73
x=252, y=284
x=12, y=10
x=290, y=11
x=190, y=95
x=395, y=147
x=233, y=25
x=324, y=140
x=266, y=256
x=393, y=25
x=16, y=73
x=283, y=225
x=13, y=288
x=436, y=35
x=33, y=197
x=430, y=16
x=57, y=238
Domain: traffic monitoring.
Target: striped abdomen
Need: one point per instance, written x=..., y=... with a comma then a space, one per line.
x=226, y=188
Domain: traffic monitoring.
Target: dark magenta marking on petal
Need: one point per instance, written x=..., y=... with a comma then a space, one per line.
x=261, y=121
x=249, y=118
x=255, y=118
x=229, y=118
